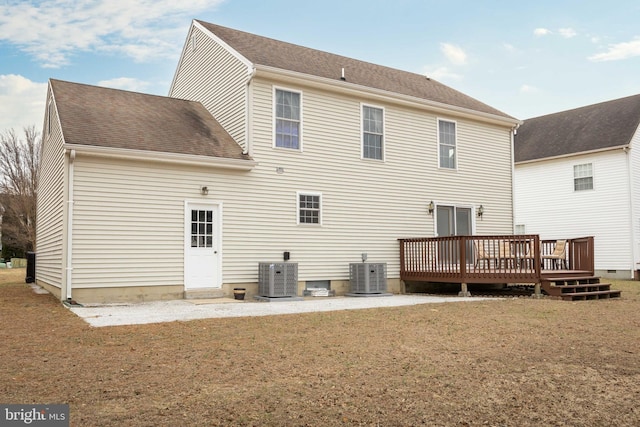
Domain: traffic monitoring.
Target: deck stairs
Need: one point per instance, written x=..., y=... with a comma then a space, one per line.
x=577, y=288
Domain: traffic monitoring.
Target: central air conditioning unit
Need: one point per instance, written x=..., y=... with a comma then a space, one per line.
x=276, y=280
x=368, y=278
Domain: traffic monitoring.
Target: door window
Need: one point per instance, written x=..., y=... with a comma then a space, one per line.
x=201, y=228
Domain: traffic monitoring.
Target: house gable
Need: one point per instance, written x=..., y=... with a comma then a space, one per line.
x=592, y=128
x=269, y=54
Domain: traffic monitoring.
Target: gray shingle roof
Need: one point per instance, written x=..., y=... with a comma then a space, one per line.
x=594, y=127
x=273, y=53
x=97, y=116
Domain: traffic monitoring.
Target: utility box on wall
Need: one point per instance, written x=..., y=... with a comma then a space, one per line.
x=277, y=279
x=368, y=278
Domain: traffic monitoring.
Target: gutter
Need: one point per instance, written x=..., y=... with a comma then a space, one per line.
x=163, y=157
x=69, y=266
x=385, y=95
x=514, y=131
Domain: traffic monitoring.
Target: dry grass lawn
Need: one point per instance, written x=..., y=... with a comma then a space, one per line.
x=510, y=362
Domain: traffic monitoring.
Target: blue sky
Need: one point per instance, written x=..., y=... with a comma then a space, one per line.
x=524, y=58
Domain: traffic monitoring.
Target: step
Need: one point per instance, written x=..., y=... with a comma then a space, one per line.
x=204, y=293
x=573, y=281
x=590, y=295
x=585, y=288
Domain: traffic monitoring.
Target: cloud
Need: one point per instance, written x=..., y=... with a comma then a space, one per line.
x=540, y=32
x=51, y=31
x=441, y=74
x=618, y=52
x=528, y=89
x=455, y=54
x=22, y=102
x=567, y=33
x=125, y=83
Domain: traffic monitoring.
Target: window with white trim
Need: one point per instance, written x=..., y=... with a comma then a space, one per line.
x=583, y=177
x=309, y=208
x=287, y=119
x=447, y=144
x=372, y=132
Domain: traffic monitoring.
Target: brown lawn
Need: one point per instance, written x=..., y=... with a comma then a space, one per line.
x=510, y=362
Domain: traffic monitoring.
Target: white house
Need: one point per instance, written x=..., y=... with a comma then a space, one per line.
x=577, y=173
x=262, y=148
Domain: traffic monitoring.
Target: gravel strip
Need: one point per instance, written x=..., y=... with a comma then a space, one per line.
x=169, y=311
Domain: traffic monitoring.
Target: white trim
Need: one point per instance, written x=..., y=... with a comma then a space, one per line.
x=455, y=205
x=384, y=128
x=579, y=153
x=457, y=151
x=224, y=44
x=320, y=213
x=187, y=45
x=273, y=116
x=160, y=156
x=68, y=282
x=381, y=95
x=188, y=204
x=593, y=180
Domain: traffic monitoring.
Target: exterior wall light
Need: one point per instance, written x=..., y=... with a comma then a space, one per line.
x=431, y=207
x=480, y=211
x=204, y=190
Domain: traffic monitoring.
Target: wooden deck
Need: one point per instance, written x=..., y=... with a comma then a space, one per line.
x=521, y=259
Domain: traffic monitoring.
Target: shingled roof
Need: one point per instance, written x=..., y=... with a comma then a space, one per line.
x=98, y=116
x=594, y=127
x=286, y=56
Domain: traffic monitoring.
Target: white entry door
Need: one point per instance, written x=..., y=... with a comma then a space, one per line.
x=202, y=246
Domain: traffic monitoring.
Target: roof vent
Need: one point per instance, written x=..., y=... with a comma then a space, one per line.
x=342, y=77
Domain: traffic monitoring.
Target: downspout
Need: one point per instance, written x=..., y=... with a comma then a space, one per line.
x=514, y=131
x=633, y=232
x=69, y=267
x=249, y=112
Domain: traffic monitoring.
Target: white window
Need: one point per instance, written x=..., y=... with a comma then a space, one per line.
x=372, y=132
x=309, y=208
x=583, y=177
x=287, y=119
x=447, y=144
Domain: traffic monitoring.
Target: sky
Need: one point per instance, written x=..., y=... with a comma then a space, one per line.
x=526, y=59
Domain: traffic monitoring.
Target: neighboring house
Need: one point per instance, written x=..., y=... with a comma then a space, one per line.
x=577, y=173
x=312, y=154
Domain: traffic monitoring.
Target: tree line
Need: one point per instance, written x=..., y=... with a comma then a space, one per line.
x=19, y=166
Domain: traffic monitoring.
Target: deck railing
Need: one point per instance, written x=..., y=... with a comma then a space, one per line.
x=488, y=259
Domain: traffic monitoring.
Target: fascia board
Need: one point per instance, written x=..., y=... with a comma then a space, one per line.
x=163, y=157
x=381, y=95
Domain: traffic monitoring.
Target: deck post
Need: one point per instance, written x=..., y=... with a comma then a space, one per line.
x=463, y=291
x=537, y=293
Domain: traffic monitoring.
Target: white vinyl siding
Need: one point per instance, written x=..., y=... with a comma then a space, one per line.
x=365, y=207
x=129, y=215
x=546, y=202
x=50, y=219
x=212, y=75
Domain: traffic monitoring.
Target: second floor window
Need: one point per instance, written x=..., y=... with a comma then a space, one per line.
x=287, y=112
x=372, y=132
x=447, y=144
x=583, y=177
